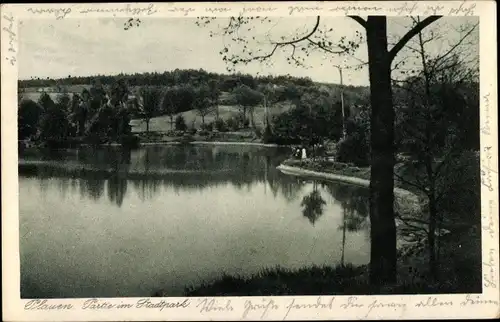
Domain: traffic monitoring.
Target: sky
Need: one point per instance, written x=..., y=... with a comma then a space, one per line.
x=83, y=47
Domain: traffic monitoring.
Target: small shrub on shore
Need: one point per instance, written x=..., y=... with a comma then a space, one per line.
x=232, y=124
x=172, y=133
x=180, y=123
x=220, y=125
x=353, y=149
x=206, y=126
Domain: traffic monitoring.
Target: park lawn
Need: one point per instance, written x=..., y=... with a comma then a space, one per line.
x=162, y=123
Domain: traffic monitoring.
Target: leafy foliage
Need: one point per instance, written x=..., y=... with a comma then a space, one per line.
x=180, y=123
x=220, y=125
x=314, y=119
x=151, y=98
x=54, y=122
x=28, y=119
x=202, y=102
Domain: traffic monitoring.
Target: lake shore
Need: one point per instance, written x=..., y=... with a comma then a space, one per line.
x=359, y=180
x=337, y=279
x=176, y=142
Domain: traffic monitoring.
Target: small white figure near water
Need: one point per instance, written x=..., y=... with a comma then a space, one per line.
x=304, y=154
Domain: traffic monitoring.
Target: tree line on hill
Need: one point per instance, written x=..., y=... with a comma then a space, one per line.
x=98, y=109
x=227, y=82
x=102, y=112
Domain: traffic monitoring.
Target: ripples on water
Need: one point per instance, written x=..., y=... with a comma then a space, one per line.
x=109, y=222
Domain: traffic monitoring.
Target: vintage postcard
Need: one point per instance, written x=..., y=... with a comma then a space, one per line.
x=249, y=161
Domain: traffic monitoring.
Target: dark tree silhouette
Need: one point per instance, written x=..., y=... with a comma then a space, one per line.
x=151, y=99
x=202, y=102
x=247, y=98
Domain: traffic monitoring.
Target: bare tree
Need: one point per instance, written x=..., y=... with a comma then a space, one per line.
x=380, y=58
x=428, y=132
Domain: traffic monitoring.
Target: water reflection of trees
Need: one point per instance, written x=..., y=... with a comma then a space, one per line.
x=312, y=204
x=198, y=167
x=354, y=202
x=202, y=167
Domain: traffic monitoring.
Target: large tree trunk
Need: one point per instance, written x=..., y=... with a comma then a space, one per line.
x=383, y=227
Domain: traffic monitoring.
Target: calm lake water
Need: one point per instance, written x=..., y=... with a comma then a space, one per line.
x=167, y=217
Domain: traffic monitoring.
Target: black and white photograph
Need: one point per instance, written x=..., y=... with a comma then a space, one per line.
x=250, y=155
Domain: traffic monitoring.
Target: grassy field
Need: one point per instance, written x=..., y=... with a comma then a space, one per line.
x=162, y=123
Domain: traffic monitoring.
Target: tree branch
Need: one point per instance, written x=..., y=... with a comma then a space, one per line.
x=407, y=223
x=324, y=48
x=284, y=43
x=415, y=185
x=281, y=44
x=304, y=37
x=458, y=43
x=410, y=34
x=359, y=20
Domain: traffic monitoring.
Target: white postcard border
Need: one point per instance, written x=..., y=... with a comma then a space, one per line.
x=278, y=308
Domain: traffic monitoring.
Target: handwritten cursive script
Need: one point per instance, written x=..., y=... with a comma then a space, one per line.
x=465, y=8
x=211, y=305
x=162, y=304
x=263, y=307
x=9, y=30
x=433, y=302
x=129, y=9
x=489, y=270
x=476, y=300
x=488, y=223
x=319, y=304
x=379, y=304
x=185, y=11
x=46, y=305
x=485, y=129
x=59, y=13
x=405, y=9
x=487, y=168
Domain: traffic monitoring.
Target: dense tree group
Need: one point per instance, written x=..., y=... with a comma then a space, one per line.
x=98, y=115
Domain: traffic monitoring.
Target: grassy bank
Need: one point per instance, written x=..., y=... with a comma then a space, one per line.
x=325, y=280
x=247, y=136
